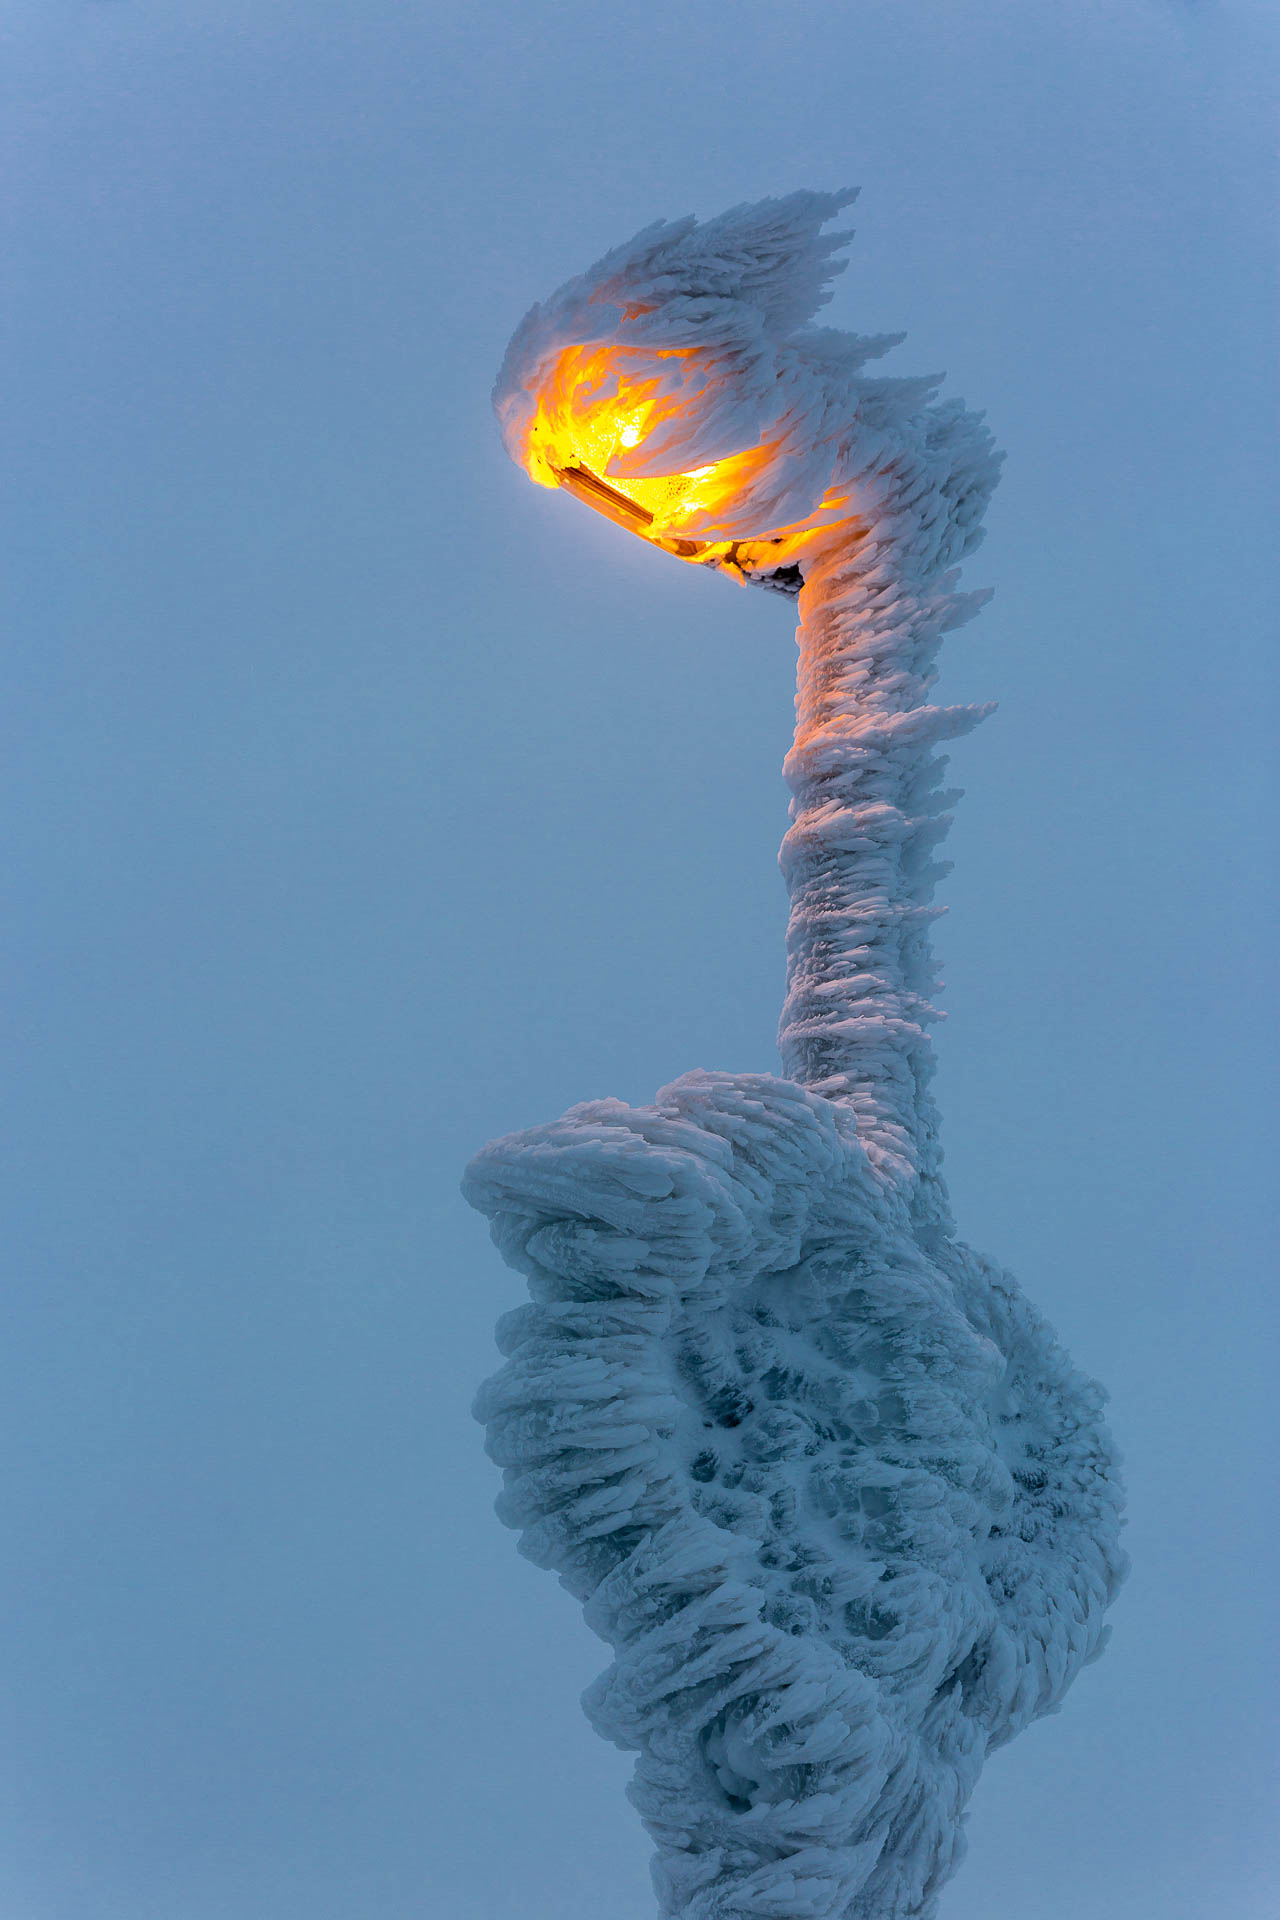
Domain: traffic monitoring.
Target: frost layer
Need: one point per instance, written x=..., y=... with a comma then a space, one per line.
x=821, y=1476
x=841, y=1505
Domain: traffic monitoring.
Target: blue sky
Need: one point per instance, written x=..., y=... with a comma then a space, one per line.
x=363, y=802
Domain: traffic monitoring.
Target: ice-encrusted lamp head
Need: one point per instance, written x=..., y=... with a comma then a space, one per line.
x=679, y=388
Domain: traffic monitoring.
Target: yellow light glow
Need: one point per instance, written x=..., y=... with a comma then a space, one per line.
x=595, y=405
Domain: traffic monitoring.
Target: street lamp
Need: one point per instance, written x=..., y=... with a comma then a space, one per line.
x=820, y=1475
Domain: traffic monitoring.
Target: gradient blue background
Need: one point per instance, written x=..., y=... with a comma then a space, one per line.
x=363, y=802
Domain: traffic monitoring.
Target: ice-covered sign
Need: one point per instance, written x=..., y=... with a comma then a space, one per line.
x=821, y=1476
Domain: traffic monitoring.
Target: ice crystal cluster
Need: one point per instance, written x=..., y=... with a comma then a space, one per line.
x=821, y=1476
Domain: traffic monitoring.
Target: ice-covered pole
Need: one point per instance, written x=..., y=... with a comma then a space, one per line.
x=821, y=1476
x=868, y=814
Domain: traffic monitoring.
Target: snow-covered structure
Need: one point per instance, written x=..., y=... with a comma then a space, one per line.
x=821, y=1476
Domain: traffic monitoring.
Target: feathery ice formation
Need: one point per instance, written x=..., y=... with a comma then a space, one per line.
x=822, y=1477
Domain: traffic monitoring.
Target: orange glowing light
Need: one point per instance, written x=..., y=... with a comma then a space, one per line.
x=598, y=405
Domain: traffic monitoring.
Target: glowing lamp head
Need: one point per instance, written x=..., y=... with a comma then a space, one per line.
x=599, y=410
x=680, y=388
x=668, y=389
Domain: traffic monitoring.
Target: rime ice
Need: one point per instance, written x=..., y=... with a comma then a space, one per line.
x=821, y=1477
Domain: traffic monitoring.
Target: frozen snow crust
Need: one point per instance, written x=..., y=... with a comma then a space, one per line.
x=823, y=1479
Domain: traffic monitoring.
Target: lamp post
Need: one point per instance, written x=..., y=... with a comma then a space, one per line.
x=821, y=1476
